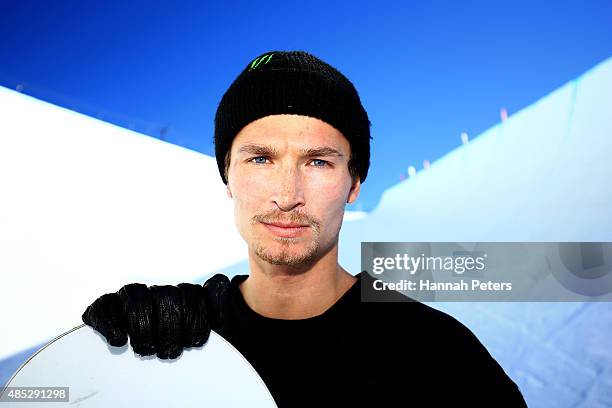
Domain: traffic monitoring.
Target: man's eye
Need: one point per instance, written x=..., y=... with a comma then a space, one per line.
x=321, y=163
x=257, y=161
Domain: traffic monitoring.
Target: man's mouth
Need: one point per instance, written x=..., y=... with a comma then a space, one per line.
x=286, y=230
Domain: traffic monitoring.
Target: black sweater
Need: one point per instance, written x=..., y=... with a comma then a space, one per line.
x=367, y=354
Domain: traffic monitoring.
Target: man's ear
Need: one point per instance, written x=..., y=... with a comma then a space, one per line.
x=354, y=193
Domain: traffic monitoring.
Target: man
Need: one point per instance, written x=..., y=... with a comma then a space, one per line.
x=292, y=142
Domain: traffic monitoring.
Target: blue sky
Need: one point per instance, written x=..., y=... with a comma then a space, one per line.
x=426, y=71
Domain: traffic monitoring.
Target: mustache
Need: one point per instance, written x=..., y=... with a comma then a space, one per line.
x=297, y=218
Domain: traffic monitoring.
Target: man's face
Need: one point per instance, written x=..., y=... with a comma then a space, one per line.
x=290, y=169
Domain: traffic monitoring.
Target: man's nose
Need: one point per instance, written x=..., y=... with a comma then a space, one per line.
x=287, y=187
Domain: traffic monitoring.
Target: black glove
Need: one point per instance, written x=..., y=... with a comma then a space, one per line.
x=159, y=320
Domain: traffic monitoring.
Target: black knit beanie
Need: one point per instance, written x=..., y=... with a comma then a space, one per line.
x=293, y=82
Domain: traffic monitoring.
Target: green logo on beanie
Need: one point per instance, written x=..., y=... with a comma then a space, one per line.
x=259, y=60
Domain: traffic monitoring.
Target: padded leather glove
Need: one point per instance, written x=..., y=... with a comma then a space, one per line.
x=159, y=320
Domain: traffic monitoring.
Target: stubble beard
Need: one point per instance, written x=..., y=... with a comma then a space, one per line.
x=288, y=254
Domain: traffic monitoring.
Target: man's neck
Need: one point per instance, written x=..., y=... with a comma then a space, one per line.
x=276, y=291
